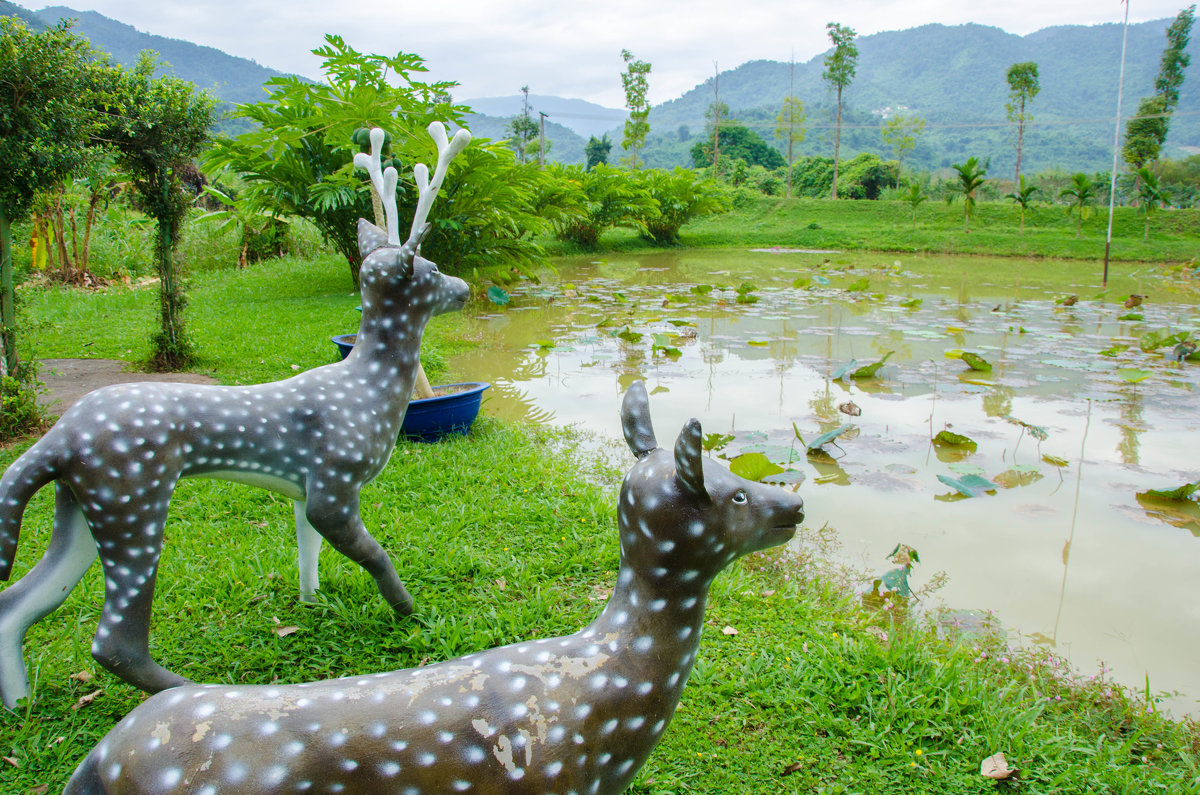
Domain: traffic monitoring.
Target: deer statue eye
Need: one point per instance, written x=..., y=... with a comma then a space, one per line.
x=739, y=497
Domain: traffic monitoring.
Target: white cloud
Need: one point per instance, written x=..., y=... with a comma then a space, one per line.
x=573, y=49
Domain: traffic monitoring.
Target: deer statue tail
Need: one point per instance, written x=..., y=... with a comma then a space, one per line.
x=34, y=469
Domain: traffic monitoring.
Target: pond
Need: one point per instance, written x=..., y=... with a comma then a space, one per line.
x=1082, y=408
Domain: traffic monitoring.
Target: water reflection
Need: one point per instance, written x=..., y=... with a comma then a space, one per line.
x=554, y=355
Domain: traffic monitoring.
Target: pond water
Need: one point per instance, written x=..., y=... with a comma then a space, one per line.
x=1071, y=422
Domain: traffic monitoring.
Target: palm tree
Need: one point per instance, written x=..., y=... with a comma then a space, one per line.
x=1081, y=193
x=913, y=199
x=1150, y=194
x=1023, y=195
x=971, y=175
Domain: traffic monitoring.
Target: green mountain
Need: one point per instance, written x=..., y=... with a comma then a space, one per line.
x=231, y=78
x=954, y=78
x=564, y=144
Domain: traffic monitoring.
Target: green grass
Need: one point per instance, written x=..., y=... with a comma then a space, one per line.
x=500, y=538
x=886, y=226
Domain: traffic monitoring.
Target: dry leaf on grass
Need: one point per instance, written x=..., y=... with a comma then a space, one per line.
x=729, y=631
x=996, y=767
x=283, y=632
x=85, y=700
x=501, y=583
x=39, y=789
x=82, y=676
x=794, y=767
x=12, y=760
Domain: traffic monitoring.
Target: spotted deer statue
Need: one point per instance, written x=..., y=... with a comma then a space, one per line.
x=576, y=714
x=116, y=455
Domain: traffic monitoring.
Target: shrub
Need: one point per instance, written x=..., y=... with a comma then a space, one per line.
x=681, y=196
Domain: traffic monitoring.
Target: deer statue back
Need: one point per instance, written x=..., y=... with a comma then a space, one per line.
x=116, y=455
x=576, y=714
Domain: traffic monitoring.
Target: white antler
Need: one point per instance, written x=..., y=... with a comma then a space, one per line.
x=426, y=188
x=384, y=182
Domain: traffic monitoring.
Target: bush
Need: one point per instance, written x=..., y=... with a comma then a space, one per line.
x=19, y=409
x=681, y=196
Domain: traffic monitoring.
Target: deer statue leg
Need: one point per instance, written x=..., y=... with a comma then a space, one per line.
x=308, y=543
x=42, y=589
x=335, y=515
x=130, y=542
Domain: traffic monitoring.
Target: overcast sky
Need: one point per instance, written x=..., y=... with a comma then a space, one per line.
x=564, y=47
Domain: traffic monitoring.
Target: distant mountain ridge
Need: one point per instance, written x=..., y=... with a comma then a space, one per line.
x=951, y=76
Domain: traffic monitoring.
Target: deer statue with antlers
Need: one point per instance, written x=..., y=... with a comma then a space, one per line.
x=116, y=455
x=574, y=714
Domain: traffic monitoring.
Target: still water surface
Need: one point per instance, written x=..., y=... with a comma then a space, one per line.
x=1066, y=555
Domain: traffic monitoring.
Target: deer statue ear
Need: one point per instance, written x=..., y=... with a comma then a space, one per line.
x=370, y=237
x=635, y=420
x=689, y=461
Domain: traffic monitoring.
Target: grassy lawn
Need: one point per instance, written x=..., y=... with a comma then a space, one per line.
x=501, y=537
x=938, y=229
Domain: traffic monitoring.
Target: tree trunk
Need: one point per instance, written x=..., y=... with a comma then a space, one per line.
x=8, y=333
x=837, y=141
x=789, y=188
x=1020, y=138
x=1146, y=234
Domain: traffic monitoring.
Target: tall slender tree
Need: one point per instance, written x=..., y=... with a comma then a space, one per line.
x=636, y=84
x=839, y=71
x=900, y=133
x=789, y=124
x=1146, y=132
x=522, y=128
x=1023, y=86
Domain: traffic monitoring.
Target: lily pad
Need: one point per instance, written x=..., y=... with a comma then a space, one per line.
x=969, y=485
x=1133, y=375
x=869, y=371
x=629, y=335
x=1184, y=492
x=1130, y=316
x=912, y=303
x=1054, y=460
x=827, y=437
x=951, y=439
x=701, y=289
x=976, y=362
x=859, y=286
x=498, y=295
x=753, y=466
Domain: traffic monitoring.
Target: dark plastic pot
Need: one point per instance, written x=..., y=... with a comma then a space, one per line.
x=429, y=419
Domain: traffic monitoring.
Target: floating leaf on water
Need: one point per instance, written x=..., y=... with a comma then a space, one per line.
x=779, y=453
x=497, y=295
x=701, y=289
x=753, y=466
x=821, y=280
x=802, y=282
x=788, y=477
x=828, y=436
x=952, y=439
x=746, y=298
x=715, y=441
x=1133, y=375
x=544, y=345
x=628, y=335
x=620, y=298
x=676, y=298
x=1036, y=431
x=758, y=343
x=844, y=369
x=605, y=321
x=869, y=371
x=1114, y=350
x=1161, y=338
x=969, y=485
x=976, y=362
x=954, y=353
x=1054, y=460
x=954, y=330
x=912, y=303
x=1130, y=316
x=859, y=286
x=1184, y=492
x=963, y=468
x=682, y=323
x=745, y=288
x=1018, y=476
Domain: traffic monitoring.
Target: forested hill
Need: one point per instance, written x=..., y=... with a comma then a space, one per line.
x=231, y=78
x=954, y=78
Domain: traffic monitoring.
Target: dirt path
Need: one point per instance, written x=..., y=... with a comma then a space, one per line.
x=67, y=380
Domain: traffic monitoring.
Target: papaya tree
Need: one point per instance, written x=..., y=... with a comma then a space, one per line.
x=971, y=176
x=1079, y=195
